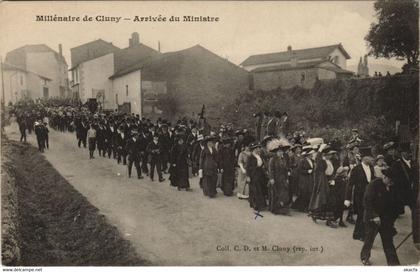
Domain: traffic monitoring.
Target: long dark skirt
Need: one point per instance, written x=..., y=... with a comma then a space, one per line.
x=256, y=191
x=228, y=182
x=278, y=198
x=209, y=185
x=92, y=144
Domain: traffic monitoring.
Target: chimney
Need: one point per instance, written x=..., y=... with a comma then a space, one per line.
x=60, y=49
x=159, y=46
x=135, y=39
x=289, y=49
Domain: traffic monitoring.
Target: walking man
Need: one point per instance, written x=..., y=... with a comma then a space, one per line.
x=380, y=210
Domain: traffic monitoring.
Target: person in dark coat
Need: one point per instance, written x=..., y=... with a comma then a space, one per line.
x=179, y=164
x=40, y=136
x=195, y=154
x=279, y=185
x=107, y=140
x=133, y=152
x=258, y=179
x=227, y=165
x=403, y=177
x=154, y=150
x=46, y=131
x=22, y=129
x=121, y=144
x=322, y=203
x=100, y=139
x=81, y=133
x=360, y=177
x=166, y=142
x=209, y=167
x=144, y=138
x=305, y=180
x=379, y=211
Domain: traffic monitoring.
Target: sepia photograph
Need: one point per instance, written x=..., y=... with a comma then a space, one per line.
x=252, y=134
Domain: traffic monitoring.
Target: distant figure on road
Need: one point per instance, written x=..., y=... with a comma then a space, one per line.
x=22, y=129
x=40, y=135
x=91, y=134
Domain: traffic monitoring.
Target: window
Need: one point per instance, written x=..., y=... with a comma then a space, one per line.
x=45, y=91
x=126, y=90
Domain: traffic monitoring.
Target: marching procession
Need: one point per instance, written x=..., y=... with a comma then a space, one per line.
x=268, y=166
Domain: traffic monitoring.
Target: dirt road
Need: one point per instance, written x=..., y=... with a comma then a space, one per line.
x=168, y=227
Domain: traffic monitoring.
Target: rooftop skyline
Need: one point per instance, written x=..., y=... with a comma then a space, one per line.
x=244, y=28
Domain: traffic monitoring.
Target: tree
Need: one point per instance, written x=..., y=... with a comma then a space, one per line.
x=396, y=34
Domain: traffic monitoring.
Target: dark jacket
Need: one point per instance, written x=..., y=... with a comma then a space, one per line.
x=403, y=178
x=209, y=162
x=358, y=181
x=133, y=148
x=378, y=201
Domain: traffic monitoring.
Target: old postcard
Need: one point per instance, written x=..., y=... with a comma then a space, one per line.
x=209, y=133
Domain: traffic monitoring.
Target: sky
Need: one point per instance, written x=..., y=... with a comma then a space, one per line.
x=244, y=29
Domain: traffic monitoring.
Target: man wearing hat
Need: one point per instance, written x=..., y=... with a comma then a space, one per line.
x=390, y=155
x=209, y=166
x=154, y=151
x=165, y=140
x=133, y=151
x=121, y=144
x=380, y=210
x=360, y=177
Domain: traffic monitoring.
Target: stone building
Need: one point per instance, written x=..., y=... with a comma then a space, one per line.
x=95, y=62
x=36, y=64
x=303, y=67
x=189, y=78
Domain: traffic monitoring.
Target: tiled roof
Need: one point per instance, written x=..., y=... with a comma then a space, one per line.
x=303, y=65
x=301, y=54
x=159, y=66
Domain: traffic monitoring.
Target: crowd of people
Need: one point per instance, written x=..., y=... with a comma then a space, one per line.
x=273, y=169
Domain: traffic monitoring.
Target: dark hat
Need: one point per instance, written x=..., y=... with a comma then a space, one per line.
x=210, y=139
x=366, y=151
x=387, y=172
x=254, y=145
x=389, y=145
x=248, y=139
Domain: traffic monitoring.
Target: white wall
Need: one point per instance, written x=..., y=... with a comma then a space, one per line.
x=341, y=60
x=46, y=64
x=15, y=85
x=133, y=82
x=94, y=75
x=252, y=67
